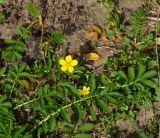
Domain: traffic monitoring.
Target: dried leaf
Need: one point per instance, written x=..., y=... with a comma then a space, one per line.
x=104, y=39
x=95, y=28
x=107, y=26
x=92, y=56
x=26, y=84
x=92, y=36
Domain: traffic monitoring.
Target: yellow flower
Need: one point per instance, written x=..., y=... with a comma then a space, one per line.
x=84, y=91
x=68, y=64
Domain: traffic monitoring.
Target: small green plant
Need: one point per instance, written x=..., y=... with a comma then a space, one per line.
x=13, y=50
x=33, y=9
x=56, y=37
x=138, y=22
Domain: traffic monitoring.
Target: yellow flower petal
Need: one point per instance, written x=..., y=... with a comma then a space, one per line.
x=81, y=92
x=70, y=69
x=62, y=62
x=84, y=91
x=74, y=62
x=88, y=88
x=84, y=88
x=64, y=68
x=68, y=58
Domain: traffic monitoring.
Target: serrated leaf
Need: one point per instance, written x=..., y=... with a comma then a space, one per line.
x=149, y=74
x=103, y=80
x=4, y=110
x=56, y=37
x=15, y=67
x=3, y=128
x=65, y=115
x=3, y=98
x=149, y=83
x=141, y=71
x=33, y=9
x=131, y=74
x=45, y=127
x=86, y=127
x=52, y=124
x=22, y=67
x=72, y=89
x=103, y=105
x=2, y=71
x=82, y=135
x=6, y=104
x=92, y=83
x=152, y=64
x=25, y=75
x=18, y=133
x=79, y=112
x=122, y=75
x=126, y=90
x=110, y=99
x=91, y=112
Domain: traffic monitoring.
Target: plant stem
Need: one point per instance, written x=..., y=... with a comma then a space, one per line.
x=158, y=67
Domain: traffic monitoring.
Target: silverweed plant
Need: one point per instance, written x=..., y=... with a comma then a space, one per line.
x=59, y=97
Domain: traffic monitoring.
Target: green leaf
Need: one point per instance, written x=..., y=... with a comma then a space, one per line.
x=52, y=124
x=110, y=99
x=22, y=67
x=72, y=89
x=131, y=74
x=3, y=128
x=86, y=127
x=2, y=71
x=79, y=112
x=2, y=1
x=23, y=32
x=82, y=135
x=16, y=68
x=157, y=90
x=149, y=83
x=1, y=16
x=92, y=83
x=3, y=98
x=18, y=133
x=65, y=115
x=25, y=75
x=127, y=90
x=152, y=64
x=3, y=110
x=45, y=127
x=141, y=71
x=33, y=9
x=102, y=105
x=6, y=104
x=91, y=112
x=149, y=74
x=103, y=80
x=122, y=75
x=56, y=37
